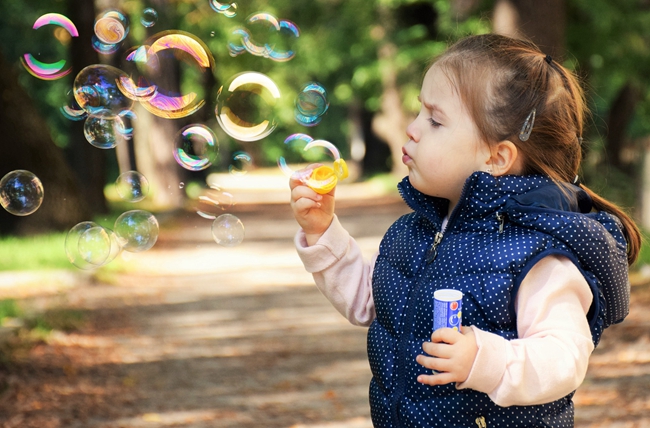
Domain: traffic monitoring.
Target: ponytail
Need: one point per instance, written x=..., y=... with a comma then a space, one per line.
x=630, y=229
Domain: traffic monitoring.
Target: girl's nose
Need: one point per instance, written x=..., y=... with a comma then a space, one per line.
x=412, y=132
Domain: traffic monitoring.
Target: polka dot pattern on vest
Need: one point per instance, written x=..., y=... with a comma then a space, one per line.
x=493, y=236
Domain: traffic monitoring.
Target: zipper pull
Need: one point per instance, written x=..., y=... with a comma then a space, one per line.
x=480, y=422
x=433, y=251
x=501, y=218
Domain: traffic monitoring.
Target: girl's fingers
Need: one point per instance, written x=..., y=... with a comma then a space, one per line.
x=436, y=379
x=305, y=204
x=437, y=364
x=441, y=350
x=304, y=192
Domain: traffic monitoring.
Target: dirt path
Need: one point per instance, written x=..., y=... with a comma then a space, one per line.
x=205, y=336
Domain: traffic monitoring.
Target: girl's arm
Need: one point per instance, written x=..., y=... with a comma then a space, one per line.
x=340, y=273
x=550, y=358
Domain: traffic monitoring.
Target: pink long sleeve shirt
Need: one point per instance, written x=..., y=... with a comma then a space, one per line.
x=546, y=362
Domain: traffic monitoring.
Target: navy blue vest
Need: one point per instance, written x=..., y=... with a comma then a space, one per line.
x=500, y=228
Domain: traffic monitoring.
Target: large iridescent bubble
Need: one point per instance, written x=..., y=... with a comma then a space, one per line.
x=146, y=83
x=246, y=106
x=47, y=70
x=21, y=192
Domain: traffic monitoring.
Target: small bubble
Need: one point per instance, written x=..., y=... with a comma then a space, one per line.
x=21, y=192
x=136, y=230
x=132, y=186
x=111, y=27
x=311, y=104
x=241, y=163
x=196, y=147
x=149, y=17
x=228, y=230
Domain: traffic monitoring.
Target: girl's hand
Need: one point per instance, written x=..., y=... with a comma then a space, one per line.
x=313, y=212
x=454, y=354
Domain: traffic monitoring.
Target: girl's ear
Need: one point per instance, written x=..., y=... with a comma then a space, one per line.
x=505, y=159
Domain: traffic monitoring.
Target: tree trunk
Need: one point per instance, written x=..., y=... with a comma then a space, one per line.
x=390, y=122
x=619, y=117
x=88, y=163
x=543, y=22
x=27, y=144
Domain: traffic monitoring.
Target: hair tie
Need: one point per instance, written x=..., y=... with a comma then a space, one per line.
x=548, y=59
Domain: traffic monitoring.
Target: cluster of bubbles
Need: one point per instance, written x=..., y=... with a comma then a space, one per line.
x=89, y=245
x=21, y=192
x=103, y=96
x=264, y=36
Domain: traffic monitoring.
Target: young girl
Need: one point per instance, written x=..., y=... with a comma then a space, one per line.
x=498, y=214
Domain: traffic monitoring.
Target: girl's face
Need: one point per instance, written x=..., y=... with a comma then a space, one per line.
x=444, y=147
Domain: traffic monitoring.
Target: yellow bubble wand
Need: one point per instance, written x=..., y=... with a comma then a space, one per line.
x=324, y=178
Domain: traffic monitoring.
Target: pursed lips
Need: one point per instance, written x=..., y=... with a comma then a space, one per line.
x=405, y=158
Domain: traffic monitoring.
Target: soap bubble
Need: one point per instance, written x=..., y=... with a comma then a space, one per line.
x=55, y=70
x=187, y=51
x=228, y=10
x=111, y=27
x=96, y=91
x=228, y=230
x=94, y=245
x=132, y=186
x=136, y=230
x=213, y=202
x=293, y=149
x=89, y=245
x=241, y=163
x=246, y=106
x=103, y=132
x=21, y=192
x=311, y=104
x=149, y=17
x=195, y=147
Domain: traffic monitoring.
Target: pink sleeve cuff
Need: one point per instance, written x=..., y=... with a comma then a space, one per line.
x=329, y=249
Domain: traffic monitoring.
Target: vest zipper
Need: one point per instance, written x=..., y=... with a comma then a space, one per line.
x=501, y=218
x=433, y=251
x=480, y=422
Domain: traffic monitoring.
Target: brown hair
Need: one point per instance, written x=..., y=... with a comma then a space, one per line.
x=501, y=80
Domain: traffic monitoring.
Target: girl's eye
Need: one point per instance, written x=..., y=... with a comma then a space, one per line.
x=434, y=123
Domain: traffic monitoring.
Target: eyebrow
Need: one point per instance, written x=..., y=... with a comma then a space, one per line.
x=433, y=107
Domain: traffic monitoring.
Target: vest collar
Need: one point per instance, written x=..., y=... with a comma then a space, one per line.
x=483, y=195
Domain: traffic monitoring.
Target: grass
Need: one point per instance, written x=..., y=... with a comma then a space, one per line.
x=9, y=309
x=33, y=252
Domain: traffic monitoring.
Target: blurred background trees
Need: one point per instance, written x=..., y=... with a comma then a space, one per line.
x=368, y=54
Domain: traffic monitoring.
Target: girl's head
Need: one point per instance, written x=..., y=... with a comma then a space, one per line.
x=499, y=82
